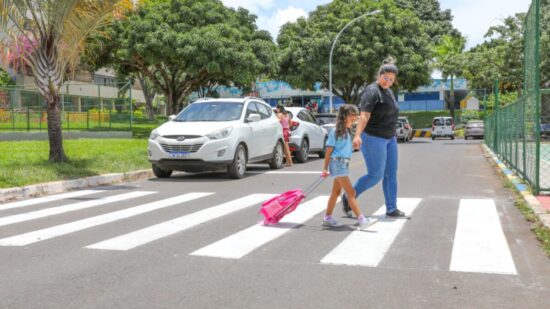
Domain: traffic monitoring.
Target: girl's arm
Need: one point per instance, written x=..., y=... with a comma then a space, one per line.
x=326, y=161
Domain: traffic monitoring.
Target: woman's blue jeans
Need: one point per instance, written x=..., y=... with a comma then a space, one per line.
x=380, y=156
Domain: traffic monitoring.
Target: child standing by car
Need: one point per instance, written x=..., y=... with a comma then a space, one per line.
x=284, y=119
x=336, y=164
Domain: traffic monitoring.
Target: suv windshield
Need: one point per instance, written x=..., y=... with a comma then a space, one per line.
x=211, y=111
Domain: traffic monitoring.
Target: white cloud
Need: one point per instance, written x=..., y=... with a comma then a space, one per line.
x=473, y=17
x=274, y=22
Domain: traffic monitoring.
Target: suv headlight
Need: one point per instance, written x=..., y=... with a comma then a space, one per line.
x=154, y=135
x=219, y=134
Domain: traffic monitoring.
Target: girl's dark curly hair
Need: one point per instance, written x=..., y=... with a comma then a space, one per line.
x=343, y=112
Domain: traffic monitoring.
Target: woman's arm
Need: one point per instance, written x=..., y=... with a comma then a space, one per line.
x=361, y=124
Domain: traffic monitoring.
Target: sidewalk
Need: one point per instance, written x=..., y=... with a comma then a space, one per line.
x=68, y=185
x=540, y=205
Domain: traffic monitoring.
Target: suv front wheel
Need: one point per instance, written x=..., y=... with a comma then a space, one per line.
x=237, y=168
x=160, y=173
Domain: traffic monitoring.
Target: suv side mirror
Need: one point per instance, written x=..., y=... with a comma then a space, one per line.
x=254, y=118
x=171, y=117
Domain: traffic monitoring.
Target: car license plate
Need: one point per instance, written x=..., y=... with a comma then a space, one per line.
x=179, y=155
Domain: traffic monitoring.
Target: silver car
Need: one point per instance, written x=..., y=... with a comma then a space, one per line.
x=473, y=129
x=306, y=135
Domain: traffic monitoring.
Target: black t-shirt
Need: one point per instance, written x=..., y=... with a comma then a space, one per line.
x=384, y=111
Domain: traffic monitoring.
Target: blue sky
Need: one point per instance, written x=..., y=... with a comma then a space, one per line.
x=471, y=17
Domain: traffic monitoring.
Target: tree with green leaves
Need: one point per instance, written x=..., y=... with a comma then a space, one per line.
x=183, y=45
x=449, y=59
x=305, y=45
x=5, y=78
x=437, y=22
x=55, y=32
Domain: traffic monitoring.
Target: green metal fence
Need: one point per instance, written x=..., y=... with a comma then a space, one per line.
x=517, y=132
x=109, y=108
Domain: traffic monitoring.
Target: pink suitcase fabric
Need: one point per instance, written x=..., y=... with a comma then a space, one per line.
x=276, y=208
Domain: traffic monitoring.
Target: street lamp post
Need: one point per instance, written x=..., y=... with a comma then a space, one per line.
x=332, y=49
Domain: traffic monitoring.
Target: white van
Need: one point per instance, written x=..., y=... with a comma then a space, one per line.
x=443, y=127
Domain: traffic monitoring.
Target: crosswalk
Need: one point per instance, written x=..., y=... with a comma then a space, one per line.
x=479, y=243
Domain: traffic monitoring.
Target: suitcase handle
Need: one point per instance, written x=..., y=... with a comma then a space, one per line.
x=314, y=185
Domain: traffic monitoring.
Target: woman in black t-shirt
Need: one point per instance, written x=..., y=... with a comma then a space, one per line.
x=376, y=136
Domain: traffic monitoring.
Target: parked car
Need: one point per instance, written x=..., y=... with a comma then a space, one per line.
x=327, y=121
x=545, y=131
x=474, y=129
x=401, y=132
x=443, y=127
x=306, y=135
x=406, y=127
x=213, y=134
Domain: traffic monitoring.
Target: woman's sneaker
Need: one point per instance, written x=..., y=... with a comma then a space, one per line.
x=396, y=214
x=331, y=222
x=365, y=222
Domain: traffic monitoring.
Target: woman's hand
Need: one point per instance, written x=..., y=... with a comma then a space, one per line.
x=357, y=142
x=325, y=173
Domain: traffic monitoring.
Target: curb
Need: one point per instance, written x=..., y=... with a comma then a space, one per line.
x=67, y=185
x=530, y=199
x=422, y=133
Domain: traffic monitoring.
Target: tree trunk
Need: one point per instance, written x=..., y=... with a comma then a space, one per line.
x=48, y=77
x=55, y=135
x=149, y=93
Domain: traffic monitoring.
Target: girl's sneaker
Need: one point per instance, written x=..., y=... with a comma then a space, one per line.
x=365, y=222
x=331, y=222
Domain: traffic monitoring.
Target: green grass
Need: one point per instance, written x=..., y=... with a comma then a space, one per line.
x=26, y=162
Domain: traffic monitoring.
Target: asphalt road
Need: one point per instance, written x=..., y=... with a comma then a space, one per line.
x=193, y=241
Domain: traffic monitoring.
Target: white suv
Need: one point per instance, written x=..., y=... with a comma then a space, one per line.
x=212, y=134
x=306, y=135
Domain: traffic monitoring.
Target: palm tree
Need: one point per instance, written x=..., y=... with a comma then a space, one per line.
x=449, y=59
x=56, y=31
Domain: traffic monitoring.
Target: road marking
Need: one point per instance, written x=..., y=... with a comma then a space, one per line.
x=479, y=243
x=158, y=231
x=367, y=248
x=242, y=243
x=63, y=229
x=71, y=207
x=280, y=172
x=46, y=199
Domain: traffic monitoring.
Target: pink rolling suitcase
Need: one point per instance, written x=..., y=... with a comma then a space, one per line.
x=279, y=206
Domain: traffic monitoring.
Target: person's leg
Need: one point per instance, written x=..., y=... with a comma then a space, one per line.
x=345, y=183
x=336, y=189
x=390, y=177
x=288, y=155
x=374, y=153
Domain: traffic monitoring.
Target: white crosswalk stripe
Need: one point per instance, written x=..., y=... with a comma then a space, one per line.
x=46, y=199
x=55, y=231
x=368, y=248
x=71, y=207
x=240, y=244
x=152, y=233
x=480, y=244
